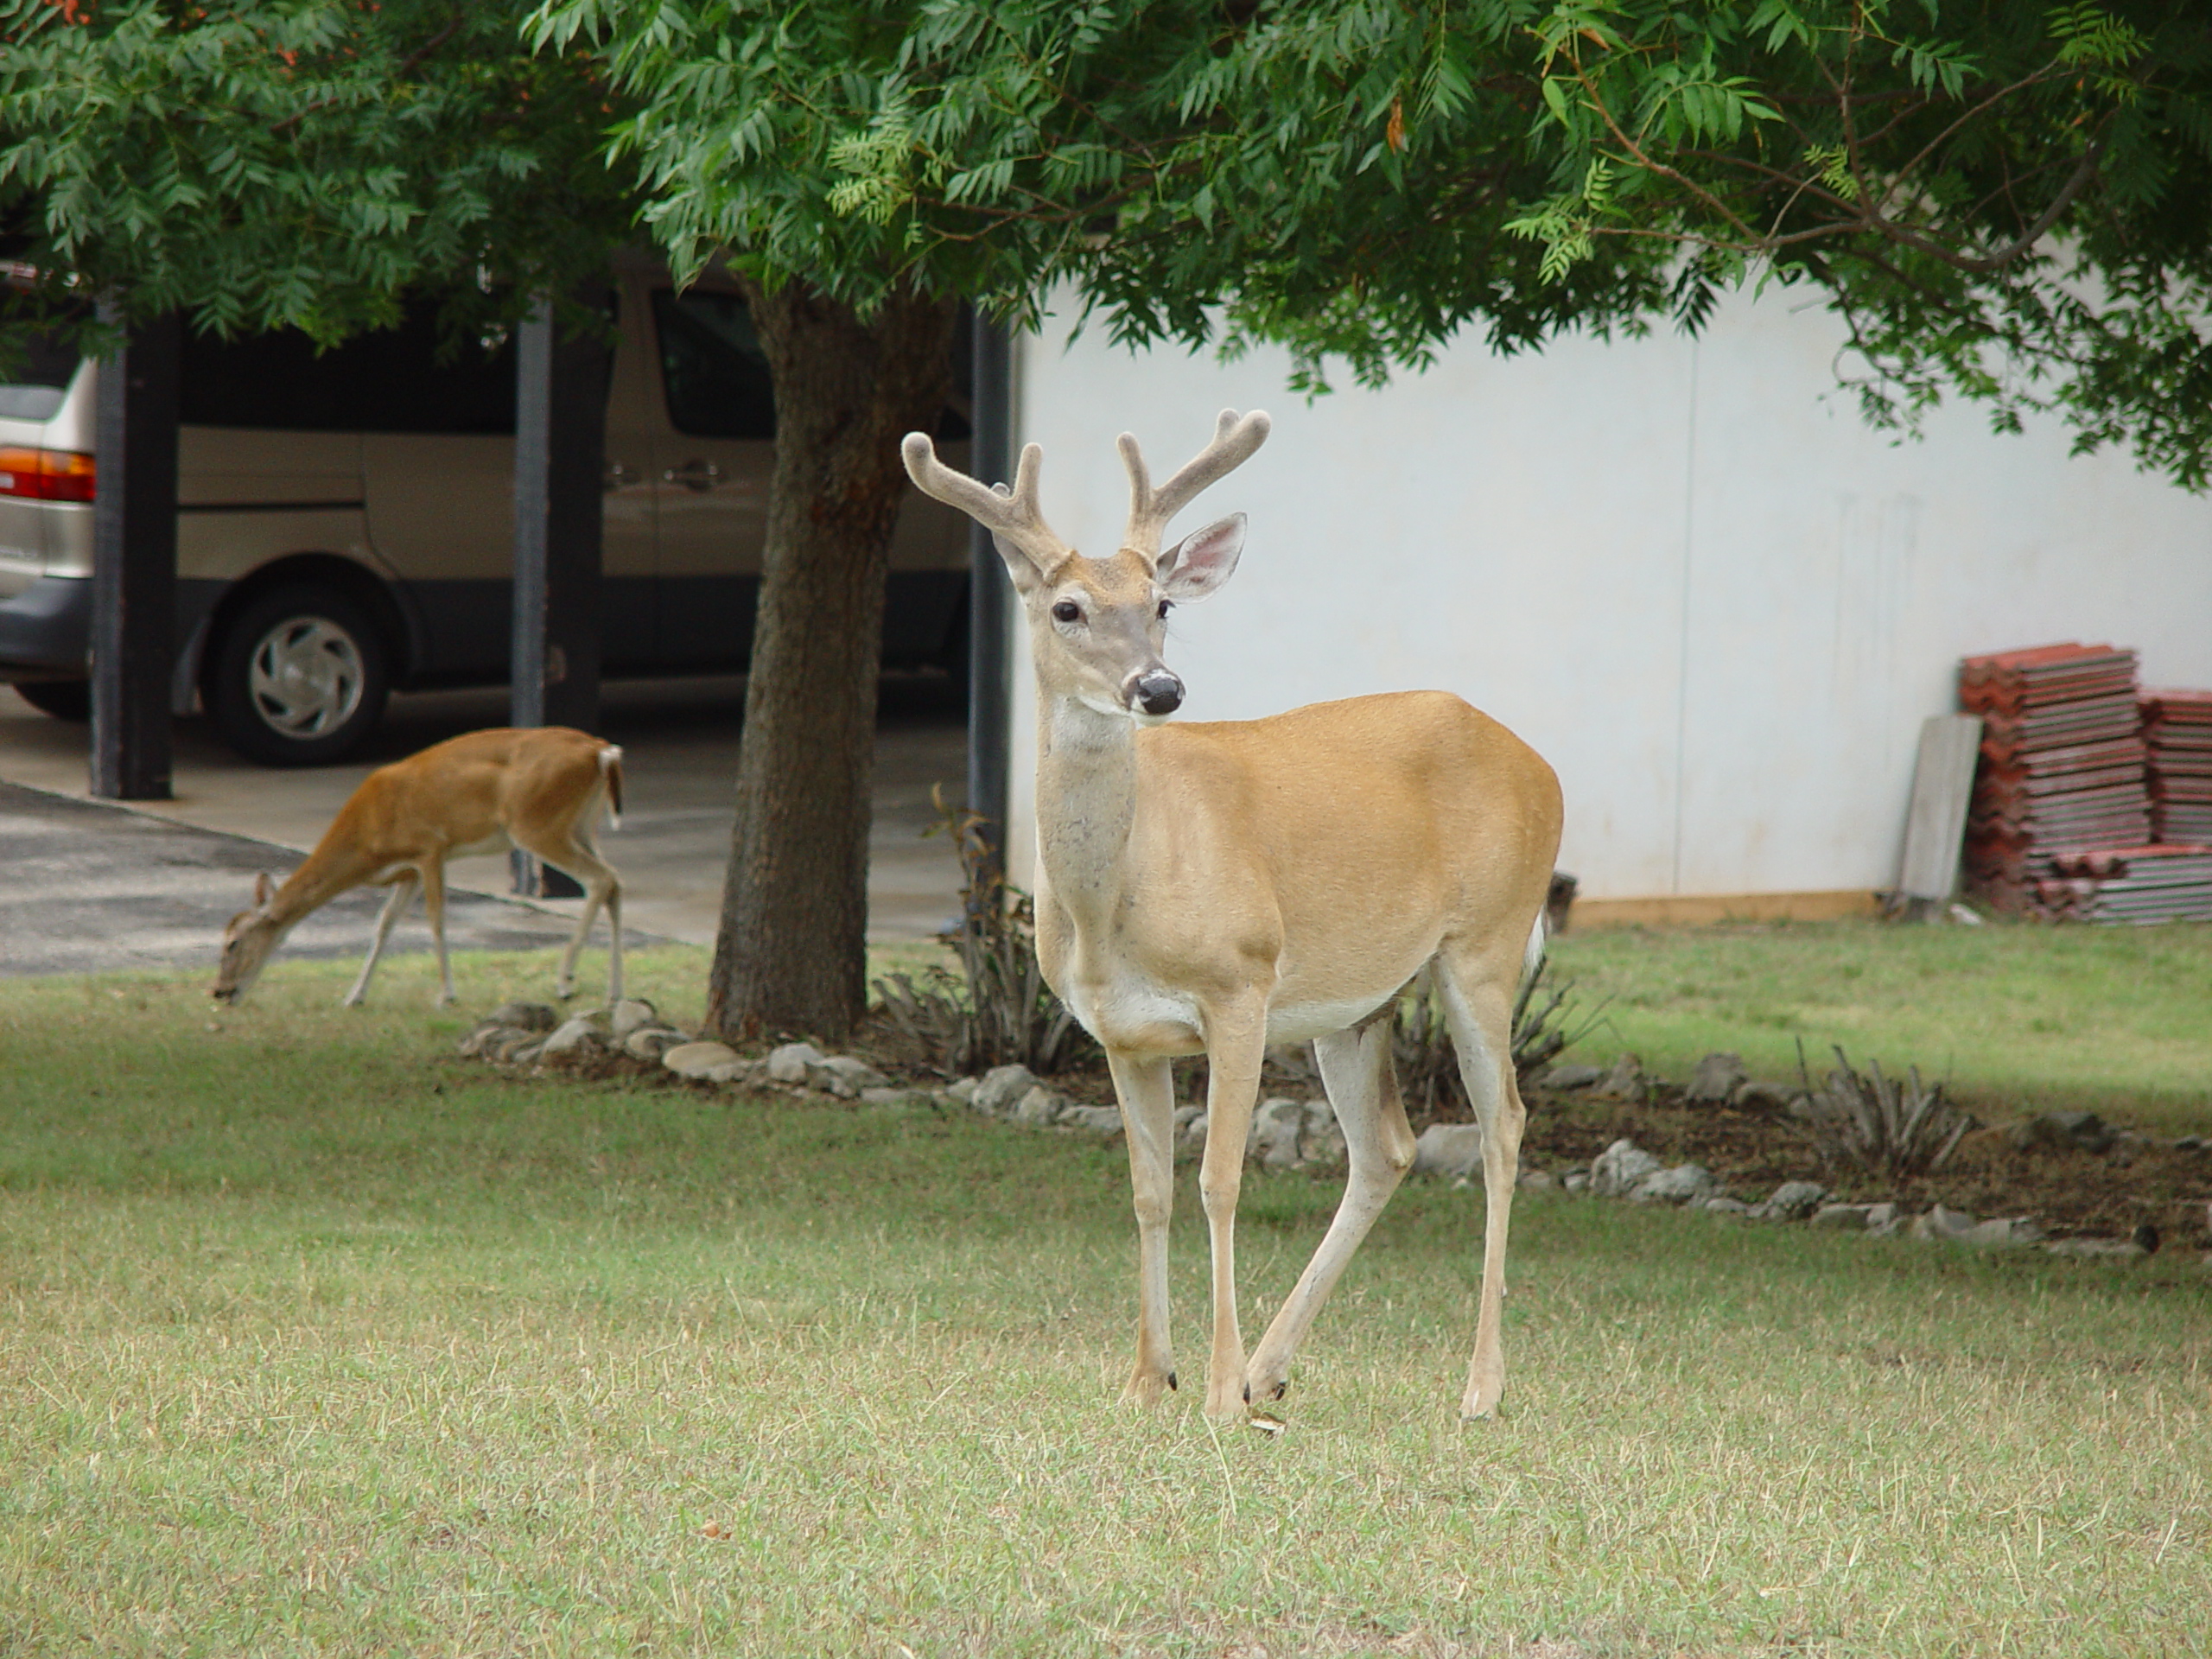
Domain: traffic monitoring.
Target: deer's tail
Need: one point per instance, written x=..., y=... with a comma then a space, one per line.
x=610, y=769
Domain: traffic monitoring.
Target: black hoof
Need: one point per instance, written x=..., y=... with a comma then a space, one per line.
x=1282, y=1388
x=1171, y=1382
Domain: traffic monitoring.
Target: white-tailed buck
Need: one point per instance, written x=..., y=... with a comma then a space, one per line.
x=539, y=788
x=1216, y=887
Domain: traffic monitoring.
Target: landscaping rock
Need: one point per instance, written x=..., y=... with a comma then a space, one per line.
x=1625, y=1081
x=576, y=1038
x=1191, y=1137
x=1761, y=1096
x=895, y=1097
x=1850, y=1217
x=1536, y=1180
x=1716, y=1079
x=1451, y=1151
x=1104, y=1121
x=2063, y=1131
x=697, y=1059
x=631, y=1015
x=793, y=1063
x=530, y=1016
x=1721, y=1203
x=1276, y=1126
x=1880, y=1220
x=1566, y=1078
x=1000, y=1089
x=856, y=1071
x=963, y=1090
x=737, y=1072
x=2104, y=1249
x=1040, y=1106
x=1322, y=1140
x=652, y=1042
x=1792, y=1201
x=1577, y=1181
x=1684, y=1184
x=1955, y=1227
x=484, y=1042
x=1619, y=1168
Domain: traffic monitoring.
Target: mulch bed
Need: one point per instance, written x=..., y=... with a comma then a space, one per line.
x=2067, y=1190
x=1753, y=1149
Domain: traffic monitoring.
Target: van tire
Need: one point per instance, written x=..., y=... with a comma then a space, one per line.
x=298, y=677
x=70, y=700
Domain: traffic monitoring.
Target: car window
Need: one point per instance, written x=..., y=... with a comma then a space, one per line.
x=38, y=378
x=393, y=380
x=713, y=371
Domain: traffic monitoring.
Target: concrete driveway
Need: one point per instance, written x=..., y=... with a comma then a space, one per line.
x=679, y=739
x=86, y=887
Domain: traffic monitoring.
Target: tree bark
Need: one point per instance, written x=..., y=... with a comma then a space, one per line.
x=791, y=955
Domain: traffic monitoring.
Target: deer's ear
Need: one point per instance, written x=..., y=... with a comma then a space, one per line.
x=263, y=888
x=1202, y=560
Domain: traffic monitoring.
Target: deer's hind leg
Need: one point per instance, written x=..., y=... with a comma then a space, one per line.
x=1363, y=1087
x=1478, y=989
x=570, y=848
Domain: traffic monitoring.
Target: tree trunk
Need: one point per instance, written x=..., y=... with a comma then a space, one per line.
x=791, y=953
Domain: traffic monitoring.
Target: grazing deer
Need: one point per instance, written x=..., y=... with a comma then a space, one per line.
x=539, y=788
x=1217, y=887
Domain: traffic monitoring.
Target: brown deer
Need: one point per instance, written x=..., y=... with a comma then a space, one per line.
x=539, y=788
x=1216, y=887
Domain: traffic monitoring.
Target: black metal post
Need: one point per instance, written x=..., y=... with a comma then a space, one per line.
x=990, y=593
x=560, y=452
x=134, y=560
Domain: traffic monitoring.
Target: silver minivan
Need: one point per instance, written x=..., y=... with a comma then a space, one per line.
x=345, y=522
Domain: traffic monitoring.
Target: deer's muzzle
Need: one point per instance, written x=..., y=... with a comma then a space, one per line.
x=1155, y=691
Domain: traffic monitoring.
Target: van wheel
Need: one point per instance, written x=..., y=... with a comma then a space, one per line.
x=298, y=677
x=63, y=699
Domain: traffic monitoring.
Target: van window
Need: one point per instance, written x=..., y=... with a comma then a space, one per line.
x=394, y=380
x=38, y=379
x=712, y=368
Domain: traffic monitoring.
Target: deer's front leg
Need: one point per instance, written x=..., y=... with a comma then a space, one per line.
x=1235, y=1043
x=1146, y=1089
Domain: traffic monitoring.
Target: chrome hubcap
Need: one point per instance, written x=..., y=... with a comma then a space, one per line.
x=305, y=676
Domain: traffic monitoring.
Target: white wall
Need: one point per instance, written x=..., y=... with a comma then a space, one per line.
x=1683, y=570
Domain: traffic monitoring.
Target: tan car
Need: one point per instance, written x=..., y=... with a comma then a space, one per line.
x=345, y=523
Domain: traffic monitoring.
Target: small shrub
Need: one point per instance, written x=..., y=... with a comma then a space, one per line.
x=1874, y=1123
x=1546, y=1023
x=996, y=1010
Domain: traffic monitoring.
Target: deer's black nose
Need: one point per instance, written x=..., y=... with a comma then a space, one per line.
x=1158, y=692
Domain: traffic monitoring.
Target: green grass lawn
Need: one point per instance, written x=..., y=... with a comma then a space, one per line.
x=315, y=1338
x=2114, y=1019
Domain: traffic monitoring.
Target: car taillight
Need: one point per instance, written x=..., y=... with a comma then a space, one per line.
x=46, y=474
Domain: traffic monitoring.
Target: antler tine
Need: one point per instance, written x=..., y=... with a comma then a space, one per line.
x=1013, y=516
x=1235, y=440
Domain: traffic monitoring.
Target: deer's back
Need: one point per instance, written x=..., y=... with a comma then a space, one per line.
x=467, y=791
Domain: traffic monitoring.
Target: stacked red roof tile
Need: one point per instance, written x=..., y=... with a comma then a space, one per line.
x=2130, y=883
x=2177, y=729
x=2062, y=818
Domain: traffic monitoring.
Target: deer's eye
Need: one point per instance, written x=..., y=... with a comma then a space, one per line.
x=1067, y=611
x=1165, y=606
